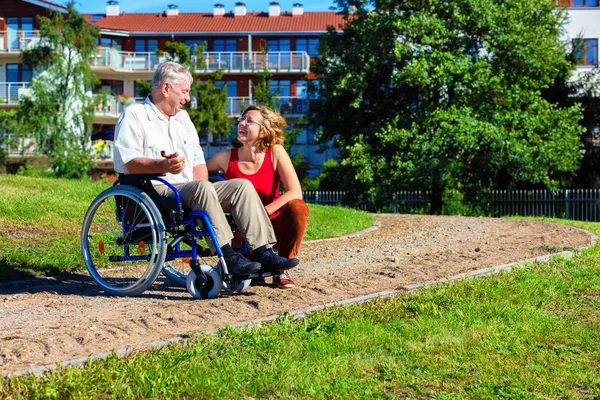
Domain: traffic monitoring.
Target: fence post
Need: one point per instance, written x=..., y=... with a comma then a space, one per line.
x=567, y=204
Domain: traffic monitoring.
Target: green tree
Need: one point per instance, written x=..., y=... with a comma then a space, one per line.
x=208, y=113
x=59, y=109
x=446, y=95
x=261, y=89
x=7, y=124
x=262, y=94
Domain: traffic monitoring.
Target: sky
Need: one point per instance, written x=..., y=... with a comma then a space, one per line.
x=137, y=6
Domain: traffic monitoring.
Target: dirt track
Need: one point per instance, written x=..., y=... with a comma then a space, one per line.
x=47, y=321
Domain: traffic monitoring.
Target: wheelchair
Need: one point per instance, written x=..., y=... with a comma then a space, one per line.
x=130, y=235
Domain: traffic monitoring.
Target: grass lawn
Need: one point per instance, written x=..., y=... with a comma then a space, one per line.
x=41, y=220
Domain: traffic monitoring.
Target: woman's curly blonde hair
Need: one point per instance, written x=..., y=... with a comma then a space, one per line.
x=272, y=125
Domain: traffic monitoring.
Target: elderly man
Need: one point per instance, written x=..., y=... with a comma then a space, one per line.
x=159, y=137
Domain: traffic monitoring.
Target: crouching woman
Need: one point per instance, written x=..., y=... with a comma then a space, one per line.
x=264, y=162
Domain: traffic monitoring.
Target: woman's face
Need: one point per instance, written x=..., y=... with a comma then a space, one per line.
x=250, y=128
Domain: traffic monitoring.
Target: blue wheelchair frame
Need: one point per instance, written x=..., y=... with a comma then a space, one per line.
x=177, y=219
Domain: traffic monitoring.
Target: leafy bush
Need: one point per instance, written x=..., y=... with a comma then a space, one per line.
x=73, y=163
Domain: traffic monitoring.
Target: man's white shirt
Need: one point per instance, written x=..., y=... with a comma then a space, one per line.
x=143, y=131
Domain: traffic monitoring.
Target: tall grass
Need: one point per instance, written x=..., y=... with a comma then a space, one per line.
x=41, y=222
x=529, y=334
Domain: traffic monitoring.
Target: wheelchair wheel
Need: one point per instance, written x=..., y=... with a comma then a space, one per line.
x=211, y=288
x=176, y=272
x=123, y=240
x=237, y=286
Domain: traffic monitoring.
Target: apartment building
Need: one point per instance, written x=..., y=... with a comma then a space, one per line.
x=583, y=26
x=238, y=42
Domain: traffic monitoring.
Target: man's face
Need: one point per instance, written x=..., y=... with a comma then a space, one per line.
x=177, y=95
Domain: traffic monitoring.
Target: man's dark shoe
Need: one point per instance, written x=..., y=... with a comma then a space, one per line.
x=272, y=262
x=239, y=265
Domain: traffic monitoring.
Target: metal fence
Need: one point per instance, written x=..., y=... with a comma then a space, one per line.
x=575, y=204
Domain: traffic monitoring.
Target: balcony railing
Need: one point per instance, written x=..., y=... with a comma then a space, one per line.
x=10, y=92
x=228, y=62
x=111, y=106
x=287, y=105
x=124, y=60
x=107, y=105
x=237, y=62
x=17, y=145
x=15, y=41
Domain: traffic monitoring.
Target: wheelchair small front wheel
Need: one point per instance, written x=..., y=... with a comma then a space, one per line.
x=237, y=286
x=204, y=290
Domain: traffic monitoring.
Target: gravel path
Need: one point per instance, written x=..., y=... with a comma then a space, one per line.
x=45, y=321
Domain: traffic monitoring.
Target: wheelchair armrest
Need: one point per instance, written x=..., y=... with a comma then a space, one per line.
x=216, y=175
x=144, y=182
x=128, y=178
x=216, y=172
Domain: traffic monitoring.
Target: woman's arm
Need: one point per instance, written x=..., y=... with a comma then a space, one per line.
x=219, y=161
x=284, y=167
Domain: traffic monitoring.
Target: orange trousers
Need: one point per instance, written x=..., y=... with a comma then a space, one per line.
x=290, y=226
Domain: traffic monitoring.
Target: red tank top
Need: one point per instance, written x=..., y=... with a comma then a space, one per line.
x=266, y=180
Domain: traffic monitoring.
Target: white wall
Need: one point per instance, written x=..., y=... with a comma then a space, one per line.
x=585, y=23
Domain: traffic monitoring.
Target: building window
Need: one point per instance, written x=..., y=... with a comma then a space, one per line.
x=110, y=43
x=306, y=135
x=278, y=45
x=16, y=25
x=230, y=87
x=280, y=88
x=145, y=46
x=221, y=45
x=586, y=51
x=584, y=3
x=311, y=46
x=301, y=89
x=111, y=86
x=193, y=44
x=18, y=73
x=281, y=60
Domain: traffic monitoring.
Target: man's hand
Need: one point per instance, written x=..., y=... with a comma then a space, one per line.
x=173, y=163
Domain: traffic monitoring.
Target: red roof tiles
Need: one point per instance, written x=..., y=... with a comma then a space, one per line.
x=206, y=22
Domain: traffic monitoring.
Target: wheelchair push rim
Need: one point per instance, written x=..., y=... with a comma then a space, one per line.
x=123, y=240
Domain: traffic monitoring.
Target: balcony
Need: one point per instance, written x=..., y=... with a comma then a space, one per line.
x=108, y=107
x=16, y=41
x=11, y=91
x=124, y=60
x=228, y=62
x=245, y=62
x=288, y=106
